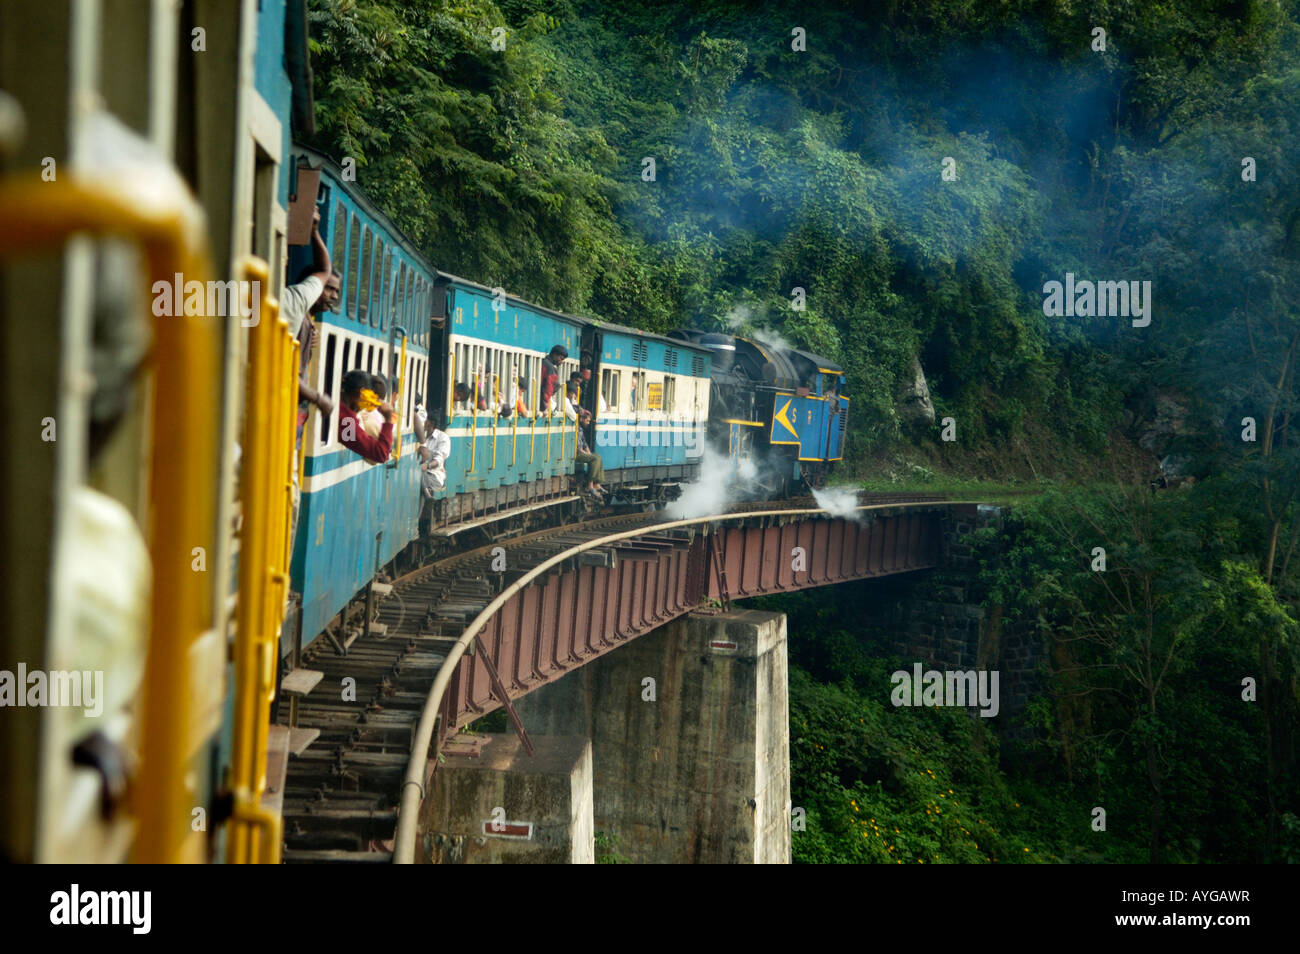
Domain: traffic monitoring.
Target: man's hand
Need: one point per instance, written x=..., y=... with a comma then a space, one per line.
x=325, y=404
x=315, y=220
x=386, y=409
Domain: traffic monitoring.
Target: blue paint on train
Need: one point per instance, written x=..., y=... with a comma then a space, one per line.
x=354, y=516
x=666, y=426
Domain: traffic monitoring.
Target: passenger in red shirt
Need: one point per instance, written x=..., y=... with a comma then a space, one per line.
x=351, y=434
x=551, y=376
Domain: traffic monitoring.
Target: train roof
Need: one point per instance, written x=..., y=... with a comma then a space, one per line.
x=359, y=198
x=823, y=363
x=451, y=279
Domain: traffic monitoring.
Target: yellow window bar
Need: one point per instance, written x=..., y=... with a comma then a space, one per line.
x=577, y=421
x=532, y=439
x=266, y=483
x=451, y=387
x=496, y=416
x=397, y=405
x=157, y=212
x=473, y=424
x=514, y=422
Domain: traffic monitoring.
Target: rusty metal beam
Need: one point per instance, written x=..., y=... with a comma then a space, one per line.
x=570, y=609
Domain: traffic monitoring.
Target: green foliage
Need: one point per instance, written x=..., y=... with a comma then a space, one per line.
x=1148, y=657
x=821, y=170
x=607, y=849
x=898, y=786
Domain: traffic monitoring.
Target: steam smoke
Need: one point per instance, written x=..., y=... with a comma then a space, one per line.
x=772, y=338
x=721, y=483
x=736, y=318
x=839, y=502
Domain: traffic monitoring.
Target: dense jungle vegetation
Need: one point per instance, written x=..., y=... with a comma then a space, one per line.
x=511, y=141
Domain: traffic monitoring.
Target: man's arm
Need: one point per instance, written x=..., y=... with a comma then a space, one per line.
x=305, y=391
x=320, y=251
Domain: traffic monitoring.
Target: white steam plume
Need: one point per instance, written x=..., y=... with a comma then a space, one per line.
x=839, y=502
x=721, y=483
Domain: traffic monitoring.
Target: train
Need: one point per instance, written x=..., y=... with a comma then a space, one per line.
x=147, y=517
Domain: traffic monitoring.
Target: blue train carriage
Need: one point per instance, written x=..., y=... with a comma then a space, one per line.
x=649, y=398
x=507, y=449
x=356, y=516
x=809, y=414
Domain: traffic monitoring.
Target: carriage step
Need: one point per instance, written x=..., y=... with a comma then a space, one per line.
x=299, y=682
x=299, y=739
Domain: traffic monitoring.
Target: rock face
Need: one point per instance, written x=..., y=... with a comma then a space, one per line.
x=913, y=398
x=1167, y=421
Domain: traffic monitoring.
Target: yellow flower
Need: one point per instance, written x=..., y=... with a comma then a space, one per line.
x=1026, y=849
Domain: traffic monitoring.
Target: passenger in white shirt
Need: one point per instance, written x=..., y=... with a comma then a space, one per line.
x=435, y=448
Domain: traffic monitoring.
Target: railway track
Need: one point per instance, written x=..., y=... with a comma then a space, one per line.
x=341, y=793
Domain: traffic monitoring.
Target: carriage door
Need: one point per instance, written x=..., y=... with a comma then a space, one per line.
x=640, y=358
x=437, y=385
x=591, y=345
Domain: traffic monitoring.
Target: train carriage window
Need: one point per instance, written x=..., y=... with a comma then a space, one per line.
x=387, y=289
x=327, y=434
x=376, y=282
x=324, y=424
x=670, y=394
x=638, y=400
x=609, y=384
x=363, y=285
x=340, y=253
x=412, y=388
x=401, y=302
x=354, y=265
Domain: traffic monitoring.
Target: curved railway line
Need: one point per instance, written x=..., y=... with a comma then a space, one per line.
x=354, y=727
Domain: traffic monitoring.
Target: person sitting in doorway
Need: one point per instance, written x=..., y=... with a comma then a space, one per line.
x=595, y=466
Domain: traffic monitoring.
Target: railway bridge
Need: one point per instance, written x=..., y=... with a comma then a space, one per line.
x=678, y=744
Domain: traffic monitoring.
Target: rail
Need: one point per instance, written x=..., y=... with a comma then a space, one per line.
x=413, y=781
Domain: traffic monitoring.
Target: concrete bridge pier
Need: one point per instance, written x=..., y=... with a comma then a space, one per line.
x=689, y=730
x=504, y=806
x=676, y=745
